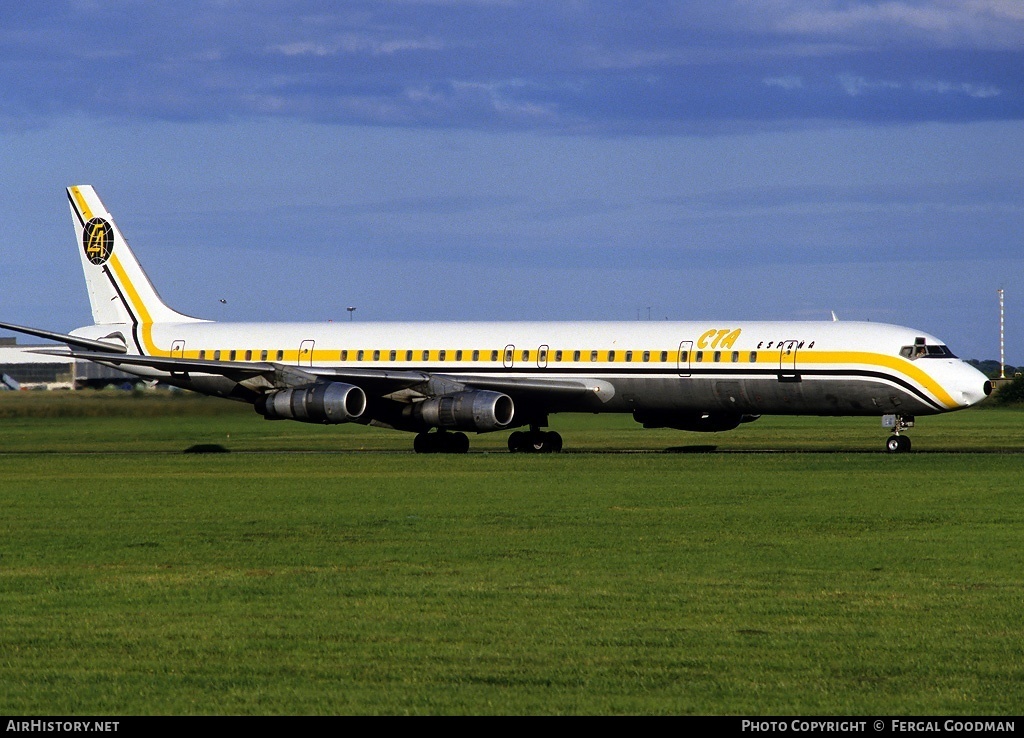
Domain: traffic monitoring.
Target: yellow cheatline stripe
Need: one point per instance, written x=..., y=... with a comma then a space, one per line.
x=893, y=363
x=140, y=308
x=835, y=359
x=82, y=205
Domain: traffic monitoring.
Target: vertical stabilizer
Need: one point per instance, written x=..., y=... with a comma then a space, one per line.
x=119, y=290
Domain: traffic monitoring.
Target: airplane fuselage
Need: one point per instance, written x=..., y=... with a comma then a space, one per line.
x=818, y=368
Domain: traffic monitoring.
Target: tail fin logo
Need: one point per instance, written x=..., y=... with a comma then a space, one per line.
x=98, y=241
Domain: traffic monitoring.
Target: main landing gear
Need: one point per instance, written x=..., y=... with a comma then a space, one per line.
x=897, y=444
x=534, y=441
x=441, y=442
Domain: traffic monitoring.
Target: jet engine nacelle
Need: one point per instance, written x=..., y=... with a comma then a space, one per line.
x=326, y=402
x=701, y=422
x=473, y=410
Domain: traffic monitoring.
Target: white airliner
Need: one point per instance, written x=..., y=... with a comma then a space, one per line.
x=483, y=377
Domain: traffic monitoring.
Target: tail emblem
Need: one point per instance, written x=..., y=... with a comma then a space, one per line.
x=98, y=241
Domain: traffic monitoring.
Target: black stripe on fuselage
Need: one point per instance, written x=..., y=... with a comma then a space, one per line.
x=691, y=373
x=127, y=306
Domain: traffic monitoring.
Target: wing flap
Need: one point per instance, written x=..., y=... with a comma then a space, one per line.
x=536, y=386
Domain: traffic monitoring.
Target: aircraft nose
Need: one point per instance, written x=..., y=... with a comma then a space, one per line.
x=974, y=386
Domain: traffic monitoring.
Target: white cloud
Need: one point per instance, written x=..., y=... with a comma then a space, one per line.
x=855, y=85
x=790, y=82
x=356, y=44
x=978, y=91
x=498, y=98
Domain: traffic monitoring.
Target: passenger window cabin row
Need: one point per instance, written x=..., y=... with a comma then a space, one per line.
x=509, y=355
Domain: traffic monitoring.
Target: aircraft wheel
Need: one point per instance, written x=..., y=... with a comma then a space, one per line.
x=458, y=443
x=535, y=442
x=897, y=444
x=539, y=442
x=423, y=444
x=517, y=442
x=440, y=442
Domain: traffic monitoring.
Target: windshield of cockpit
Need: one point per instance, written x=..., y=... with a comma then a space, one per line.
x=924, y=350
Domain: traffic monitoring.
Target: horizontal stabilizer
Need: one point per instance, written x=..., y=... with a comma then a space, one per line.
x=169, y=364
x=86, y=343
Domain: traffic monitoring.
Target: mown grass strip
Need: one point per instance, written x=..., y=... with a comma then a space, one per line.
x=264, y=583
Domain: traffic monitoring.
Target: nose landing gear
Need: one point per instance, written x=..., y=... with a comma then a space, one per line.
x=897, y=444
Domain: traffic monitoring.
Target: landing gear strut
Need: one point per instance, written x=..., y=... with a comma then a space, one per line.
x=535, y=441
x=441, y=442
x=897, y=444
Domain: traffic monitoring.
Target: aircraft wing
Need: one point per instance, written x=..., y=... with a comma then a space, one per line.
x=379, y=382
x=375, y=381
x=384, y=381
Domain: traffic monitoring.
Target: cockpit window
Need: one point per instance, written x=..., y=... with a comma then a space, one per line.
x=923, y=351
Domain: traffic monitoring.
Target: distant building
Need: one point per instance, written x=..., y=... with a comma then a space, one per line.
x=33, y=371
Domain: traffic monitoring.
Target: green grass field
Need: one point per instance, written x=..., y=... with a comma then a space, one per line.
x=358, y=577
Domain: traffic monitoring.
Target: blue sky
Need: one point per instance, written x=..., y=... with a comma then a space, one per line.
x=507, y=160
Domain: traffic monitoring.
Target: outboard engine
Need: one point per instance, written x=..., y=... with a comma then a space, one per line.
x=325, y=402
x=473, y=410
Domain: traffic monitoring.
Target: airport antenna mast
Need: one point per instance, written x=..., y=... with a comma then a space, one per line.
x=1002, y=343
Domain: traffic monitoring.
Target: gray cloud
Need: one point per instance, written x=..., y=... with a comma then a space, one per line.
x=976, y=24
x=587, y=66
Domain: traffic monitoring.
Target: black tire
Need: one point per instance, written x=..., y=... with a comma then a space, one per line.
x=458, y=443
x=539, y=442
x=895, y=445
x=422, y=444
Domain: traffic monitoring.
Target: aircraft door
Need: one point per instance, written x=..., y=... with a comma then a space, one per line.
x=178, y=350
x=787, y=361
x=542, y=356
x=683, y=358
x=509, y=357
x=306, y=353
